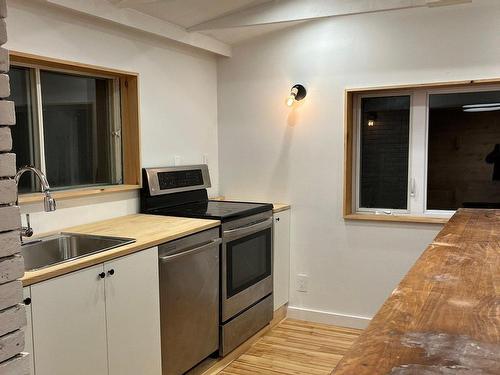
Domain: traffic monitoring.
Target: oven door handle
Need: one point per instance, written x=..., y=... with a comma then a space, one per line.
x=169, y=258
x=249, y=229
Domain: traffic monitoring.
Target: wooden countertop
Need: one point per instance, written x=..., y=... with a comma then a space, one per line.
x=277, y=207
x=444, y=317
x=148, y=231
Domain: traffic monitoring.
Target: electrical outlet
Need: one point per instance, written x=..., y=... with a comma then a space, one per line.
x=204, y=159
x=177, y=160
x=302, y=282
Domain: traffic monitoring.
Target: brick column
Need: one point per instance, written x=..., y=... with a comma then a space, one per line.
x=12, y=312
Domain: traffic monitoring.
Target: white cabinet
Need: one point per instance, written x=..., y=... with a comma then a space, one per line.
x=133, y=314
x=101, y=320
x=281, y=266
x=69, y=324
x=28, y=332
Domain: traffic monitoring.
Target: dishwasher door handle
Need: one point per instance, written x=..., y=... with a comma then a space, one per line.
x=169, y=258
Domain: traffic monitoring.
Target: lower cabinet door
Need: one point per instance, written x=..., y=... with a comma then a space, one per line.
x=69, y=324
x=133, y=314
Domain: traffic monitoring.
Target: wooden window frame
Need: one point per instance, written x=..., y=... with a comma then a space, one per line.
x=349, y=211
x=130, y=124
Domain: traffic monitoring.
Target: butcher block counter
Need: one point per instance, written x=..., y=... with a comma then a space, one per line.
x=444, y=317
x=147, y=230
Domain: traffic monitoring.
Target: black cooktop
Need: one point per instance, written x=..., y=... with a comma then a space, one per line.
x=218, y=210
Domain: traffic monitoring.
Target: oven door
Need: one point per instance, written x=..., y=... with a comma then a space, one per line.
x=247, y=263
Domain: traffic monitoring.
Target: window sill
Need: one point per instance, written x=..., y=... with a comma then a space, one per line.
x=397, y=218
x=77, y=193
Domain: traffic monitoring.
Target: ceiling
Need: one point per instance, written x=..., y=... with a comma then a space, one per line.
x=188, y=13
x=238, y=34
x=232, y=21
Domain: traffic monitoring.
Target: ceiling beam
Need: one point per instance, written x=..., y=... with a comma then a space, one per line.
x=134, y=19
x=278, y=11
x=131, y=3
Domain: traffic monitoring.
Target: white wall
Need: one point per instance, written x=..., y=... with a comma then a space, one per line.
x=178, y=93
x=270, y=152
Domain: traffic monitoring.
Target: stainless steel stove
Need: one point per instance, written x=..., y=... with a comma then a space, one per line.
x=246, y=252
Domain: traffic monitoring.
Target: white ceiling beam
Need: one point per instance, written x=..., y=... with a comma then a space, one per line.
x=131, y=3
x=140, y=21
x=278, y=11
x=443, y=3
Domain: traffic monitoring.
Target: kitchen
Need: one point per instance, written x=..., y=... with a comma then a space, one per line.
x=206, y=83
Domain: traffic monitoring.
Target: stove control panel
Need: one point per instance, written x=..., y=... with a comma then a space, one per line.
x=179, y=179
x=176, y=179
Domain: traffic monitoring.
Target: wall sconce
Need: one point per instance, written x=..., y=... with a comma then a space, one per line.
x=371, y=119
x=297, y=93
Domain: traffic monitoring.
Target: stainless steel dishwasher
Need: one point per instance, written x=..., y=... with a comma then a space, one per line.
x=189, y=300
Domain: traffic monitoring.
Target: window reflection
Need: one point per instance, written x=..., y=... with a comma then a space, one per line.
x=463, y=151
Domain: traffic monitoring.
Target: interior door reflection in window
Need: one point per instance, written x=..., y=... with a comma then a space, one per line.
x=463, y=150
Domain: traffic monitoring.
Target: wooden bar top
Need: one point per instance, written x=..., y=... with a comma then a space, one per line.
x=444, y=317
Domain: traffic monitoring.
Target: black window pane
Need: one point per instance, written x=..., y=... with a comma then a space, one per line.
x=23, y=134
x=77, y=130
x=384, y=152
x=464, y=150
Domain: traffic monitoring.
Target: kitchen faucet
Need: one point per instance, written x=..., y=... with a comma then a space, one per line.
x=49, y=203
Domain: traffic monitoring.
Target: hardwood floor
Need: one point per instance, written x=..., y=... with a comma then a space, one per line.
x=295, y=347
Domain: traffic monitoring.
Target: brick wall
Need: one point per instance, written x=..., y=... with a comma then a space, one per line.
x=12, y=312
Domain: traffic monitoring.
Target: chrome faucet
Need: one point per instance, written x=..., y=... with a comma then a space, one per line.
x=49, y=203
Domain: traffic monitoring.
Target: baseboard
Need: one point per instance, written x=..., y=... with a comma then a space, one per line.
x=279, y=314
x=326, y=317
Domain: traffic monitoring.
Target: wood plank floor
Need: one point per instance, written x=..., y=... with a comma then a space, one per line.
x=295, y=347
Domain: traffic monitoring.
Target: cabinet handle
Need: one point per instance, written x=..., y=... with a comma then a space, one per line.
x=277, y=219
x=102, y=275
x=27, y=301
x=111, y=272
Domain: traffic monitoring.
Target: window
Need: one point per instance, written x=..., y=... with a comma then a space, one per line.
x=384, y=140
x=73, y=138
x=463, y=162
x=78, y=123
x=423, y=152
x=24, y=134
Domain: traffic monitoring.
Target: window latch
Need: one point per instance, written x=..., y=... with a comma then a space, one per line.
x=412, y=188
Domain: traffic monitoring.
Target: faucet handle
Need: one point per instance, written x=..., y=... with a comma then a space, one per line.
x=26, y=232
x=49, y=203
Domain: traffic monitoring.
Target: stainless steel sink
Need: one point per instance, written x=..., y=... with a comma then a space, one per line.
x=64, y=247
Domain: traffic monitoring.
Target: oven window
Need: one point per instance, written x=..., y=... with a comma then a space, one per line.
x=248, y=261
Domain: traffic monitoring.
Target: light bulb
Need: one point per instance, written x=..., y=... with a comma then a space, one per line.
x=291, y=98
